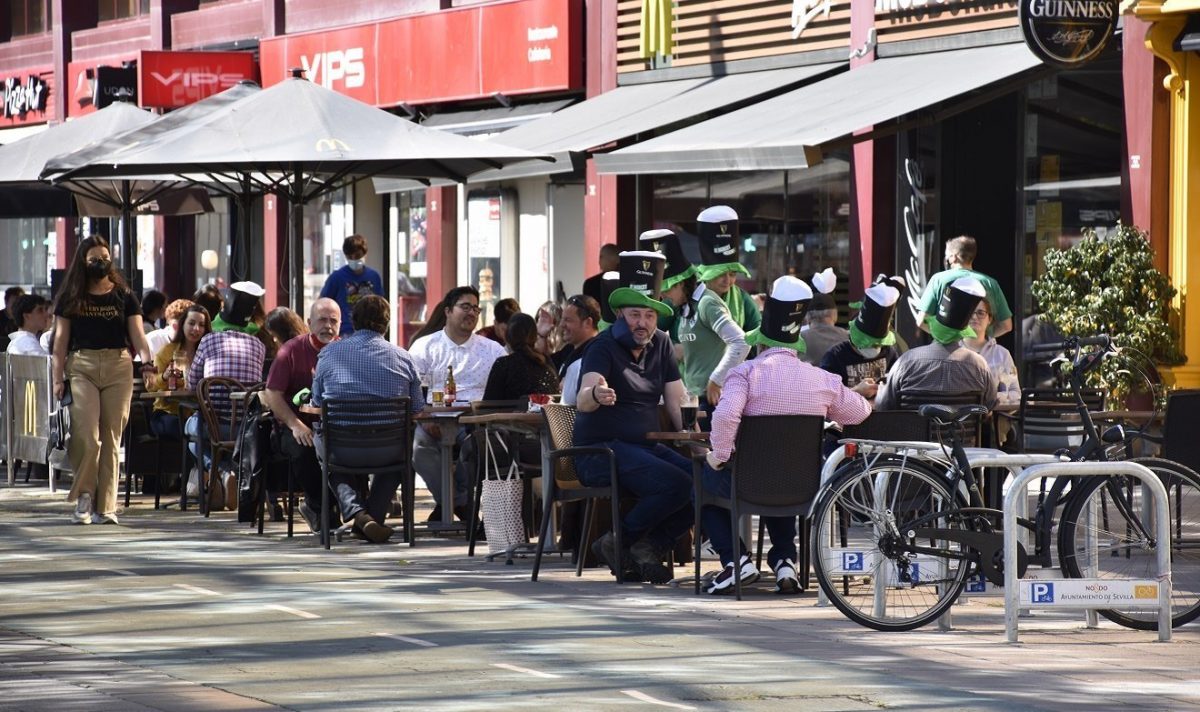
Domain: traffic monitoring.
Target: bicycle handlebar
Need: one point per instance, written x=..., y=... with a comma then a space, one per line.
x=1072, y=343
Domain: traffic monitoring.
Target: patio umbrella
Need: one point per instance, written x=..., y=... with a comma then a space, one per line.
x=28, y=195
x=300, y=139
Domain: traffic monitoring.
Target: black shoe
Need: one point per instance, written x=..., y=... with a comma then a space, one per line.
x=605, y=549
x=276, y=512
x=371, y=529
x=649, y=560
x=435, y=515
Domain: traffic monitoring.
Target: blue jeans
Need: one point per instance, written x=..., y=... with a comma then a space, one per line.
x=194, y=428
x=165, y=425
x=719, y=529
x=658, y=477
x=382, y=486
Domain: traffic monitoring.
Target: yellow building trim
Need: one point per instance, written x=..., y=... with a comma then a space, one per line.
x=1168, y=19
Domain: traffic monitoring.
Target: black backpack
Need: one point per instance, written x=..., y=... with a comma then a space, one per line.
x=252, y=455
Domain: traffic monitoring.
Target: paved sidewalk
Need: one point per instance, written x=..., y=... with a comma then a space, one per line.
x=170, y=611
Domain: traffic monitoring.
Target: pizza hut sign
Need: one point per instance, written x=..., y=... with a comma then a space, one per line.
x=1068, y=33
x=21, y=98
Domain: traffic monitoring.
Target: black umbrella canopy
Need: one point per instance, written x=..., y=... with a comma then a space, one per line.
x=297, y=132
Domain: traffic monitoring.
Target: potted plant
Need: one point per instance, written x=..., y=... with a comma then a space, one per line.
x=1109, y=285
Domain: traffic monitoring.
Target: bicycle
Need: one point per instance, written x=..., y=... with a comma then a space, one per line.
x=901, y=527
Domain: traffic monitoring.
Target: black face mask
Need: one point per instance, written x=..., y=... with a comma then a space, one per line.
x=98, y=268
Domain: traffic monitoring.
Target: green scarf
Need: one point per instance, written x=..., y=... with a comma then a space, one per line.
x=737, y=307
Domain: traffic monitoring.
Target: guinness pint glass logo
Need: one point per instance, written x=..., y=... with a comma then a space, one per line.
x=724, y=228
x=646, y=265
x=1068, y=33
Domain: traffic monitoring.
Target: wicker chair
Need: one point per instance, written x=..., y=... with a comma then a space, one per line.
x=566, y=487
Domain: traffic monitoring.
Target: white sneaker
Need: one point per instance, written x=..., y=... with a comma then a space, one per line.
x=724, y=583
x=105, y=518
x=83, y=509
x=785, y=577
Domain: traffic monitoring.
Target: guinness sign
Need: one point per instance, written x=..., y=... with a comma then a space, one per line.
x=1068, y=33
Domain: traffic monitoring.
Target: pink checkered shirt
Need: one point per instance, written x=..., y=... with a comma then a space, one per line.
x=779, y=383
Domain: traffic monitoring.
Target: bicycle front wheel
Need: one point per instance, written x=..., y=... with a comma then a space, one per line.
x=865, y=556
x=1107, y=531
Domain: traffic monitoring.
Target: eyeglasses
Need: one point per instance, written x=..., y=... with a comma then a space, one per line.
x=979, y=314
x=469, y=307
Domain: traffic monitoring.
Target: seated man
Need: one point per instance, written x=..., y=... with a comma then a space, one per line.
x=365, y=365
x=31, y=313
x=945, y=366
x=292, y=372
x=470, y=356
x=778, y=382
x=580, y=324
x=627, y=370
x=821, y=333
x=232, y=353
x=870, y=351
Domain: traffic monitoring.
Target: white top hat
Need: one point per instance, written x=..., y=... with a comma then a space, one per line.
x=790, y=289
x=717, y=214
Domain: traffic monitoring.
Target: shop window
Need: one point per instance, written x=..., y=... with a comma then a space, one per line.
x=328, y=221
x=213, y=238
x=30, y=244
x=407, y=224
x=793, y=222
x=120, y=9
x=28, y=17
x=1074, y=123
x=919, y=242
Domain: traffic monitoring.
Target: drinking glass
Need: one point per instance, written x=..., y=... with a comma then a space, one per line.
x=688, y=405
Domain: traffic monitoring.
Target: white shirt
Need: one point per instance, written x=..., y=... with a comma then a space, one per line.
x=159, y=338
x=1000, y=363
x=25, y=343
x=472, y=362
x=570, y=382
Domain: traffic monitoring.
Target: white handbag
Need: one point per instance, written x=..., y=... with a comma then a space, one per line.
x=501, y=502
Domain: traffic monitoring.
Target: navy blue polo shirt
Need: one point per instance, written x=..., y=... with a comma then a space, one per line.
x=639, y=385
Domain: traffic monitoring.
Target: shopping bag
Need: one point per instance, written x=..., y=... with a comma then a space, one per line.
x=501, y=501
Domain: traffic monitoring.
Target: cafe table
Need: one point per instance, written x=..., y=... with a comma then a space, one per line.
x=525, y=423
x=447, y=417
x=186, y=399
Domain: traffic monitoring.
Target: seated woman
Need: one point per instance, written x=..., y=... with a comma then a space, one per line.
x=999, y=360
x=525, y=370
x=178, y=353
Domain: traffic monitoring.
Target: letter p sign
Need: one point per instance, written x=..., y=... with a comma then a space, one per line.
x=852, y=561
x=1041, y=592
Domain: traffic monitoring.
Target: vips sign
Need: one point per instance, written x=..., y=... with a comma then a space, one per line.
x=508, y=48
x=1068, y=33
x=169, y=80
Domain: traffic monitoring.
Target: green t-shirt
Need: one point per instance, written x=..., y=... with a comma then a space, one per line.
x=703, y=347
x=938, y=282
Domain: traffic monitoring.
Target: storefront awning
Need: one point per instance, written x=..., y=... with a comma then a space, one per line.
x=787, y=131
x=635, y=109
x=494, y=120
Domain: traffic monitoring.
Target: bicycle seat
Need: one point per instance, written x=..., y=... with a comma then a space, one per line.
x=945, y=415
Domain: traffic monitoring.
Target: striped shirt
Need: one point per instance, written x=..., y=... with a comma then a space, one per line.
x=779, y=383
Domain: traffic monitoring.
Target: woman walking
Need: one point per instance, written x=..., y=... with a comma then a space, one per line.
x=98, y=320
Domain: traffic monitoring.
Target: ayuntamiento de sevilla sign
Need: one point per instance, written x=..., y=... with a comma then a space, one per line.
x=1068, y=33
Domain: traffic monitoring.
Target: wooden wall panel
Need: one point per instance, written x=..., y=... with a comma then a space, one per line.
x=928, y=18
x=706, y=31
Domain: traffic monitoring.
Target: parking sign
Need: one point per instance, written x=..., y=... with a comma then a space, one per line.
x=852, y=561
x=1041, y=592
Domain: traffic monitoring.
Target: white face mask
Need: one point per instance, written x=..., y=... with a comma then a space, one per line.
x=356, y=265
x=871, y=352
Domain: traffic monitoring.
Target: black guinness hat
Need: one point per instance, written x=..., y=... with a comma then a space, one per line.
x=953, y=318
x=873, y=325
x=783, y=315
x=823, y=284
x=641, y=282
x=717, y=228
x=679, y=267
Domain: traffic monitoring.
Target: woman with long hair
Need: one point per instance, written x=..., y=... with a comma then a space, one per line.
x=525, y=370
x=98, y=321
x=285, y=324
x=549, y=335
x=178, y=353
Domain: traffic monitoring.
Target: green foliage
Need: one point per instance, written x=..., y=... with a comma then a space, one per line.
x=1110, y=286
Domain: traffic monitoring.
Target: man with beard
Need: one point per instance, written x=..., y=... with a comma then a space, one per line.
x=292, y=372
x=627, y=370
x=470, y=356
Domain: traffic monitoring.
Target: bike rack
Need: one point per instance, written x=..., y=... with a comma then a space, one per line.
x=1043, y=588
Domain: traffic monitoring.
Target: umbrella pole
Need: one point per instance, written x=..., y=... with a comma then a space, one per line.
x=241, y=265
x=296, y=249
x=128, y=254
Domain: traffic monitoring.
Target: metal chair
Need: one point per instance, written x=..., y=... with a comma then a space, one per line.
x=566, y=487
x=1047, y=420
x=363, y=437
x=222, y=418
x=972, y=428
x=775, y=472
x=1179, y=428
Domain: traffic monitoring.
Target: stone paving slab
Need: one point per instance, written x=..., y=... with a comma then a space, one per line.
x=193, y=606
